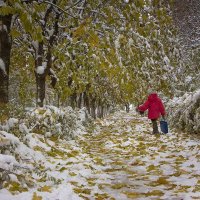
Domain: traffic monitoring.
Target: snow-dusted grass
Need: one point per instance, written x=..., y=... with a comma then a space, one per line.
x=118, y=159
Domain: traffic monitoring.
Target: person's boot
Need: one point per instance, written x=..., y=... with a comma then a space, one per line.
x=155, y=126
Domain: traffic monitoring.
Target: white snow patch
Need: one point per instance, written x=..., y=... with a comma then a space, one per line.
x=41, y=69
x=2, y=66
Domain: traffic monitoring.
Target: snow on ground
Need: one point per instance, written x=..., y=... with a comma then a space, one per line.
x=118, y=159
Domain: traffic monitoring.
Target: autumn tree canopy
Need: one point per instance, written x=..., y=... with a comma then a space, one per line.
x=93, y=53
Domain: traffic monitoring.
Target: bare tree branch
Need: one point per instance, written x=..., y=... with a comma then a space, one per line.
x=59, y=8
x=74, y=4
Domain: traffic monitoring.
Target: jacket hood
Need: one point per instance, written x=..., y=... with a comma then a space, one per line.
x=153, y=97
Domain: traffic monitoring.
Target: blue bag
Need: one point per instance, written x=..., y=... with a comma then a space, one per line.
x=164, y=126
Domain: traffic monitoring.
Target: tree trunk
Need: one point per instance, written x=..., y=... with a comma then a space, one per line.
x=80, y=97
x=93, y=108
x=5, y=49
x=42, y=71
x=107, y=109
x=40, y=76
x=73, y=102
x=86, y=101
x=58, y=99
x=40, y=84
x=102, y=111
x=98, y=110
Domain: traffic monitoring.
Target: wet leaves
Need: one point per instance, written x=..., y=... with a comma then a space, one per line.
x=36, y=197
x=161, y=181
x=45, y=189
x=154, y=193
x=118, y=185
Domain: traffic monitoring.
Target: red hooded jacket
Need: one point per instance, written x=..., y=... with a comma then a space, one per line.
x=154, y=105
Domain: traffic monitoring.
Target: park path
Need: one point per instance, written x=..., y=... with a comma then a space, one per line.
x=116, y=159
x=128, y=162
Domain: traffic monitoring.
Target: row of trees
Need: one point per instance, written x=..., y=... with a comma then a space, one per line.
x=187, y=22
x=93, y=53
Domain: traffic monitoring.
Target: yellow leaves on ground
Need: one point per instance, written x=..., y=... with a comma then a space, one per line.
x=45, y=189
x=163, y=148
x=197, y=188
x=118, y=185
x=62, y=169
x=75, y=183
x=132, y=195
x=180, y=172
x=137, y=162
x=154, y=193
x=161, y=181
x=151, y=167
x=38, y=148
x=72, y=174
x=54, y=138
x=182, y=189
x=180, y=159
x=111, y=170
x=102, y=196
x=117, y=162
x=36, y=197
x=91, y=183
x=14, y=187
x=73, y=153
x=102, y=186
x=82, y=191
x=98, y=161
x=55, y=152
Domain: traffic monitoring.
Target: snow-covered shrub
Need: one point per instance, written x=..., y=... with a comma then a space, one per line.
x=184, y=112
x=23, y=146
x=9, y=124
x=11, y=166
x=63, y=122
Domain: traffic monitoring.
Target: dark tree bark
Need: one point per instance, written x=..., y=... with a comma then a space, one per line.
x=86, y=98
x=80, y=98
x=5, y=49
x=86, y=101
x=73, y=102
x=93, y=108
x=41, y=77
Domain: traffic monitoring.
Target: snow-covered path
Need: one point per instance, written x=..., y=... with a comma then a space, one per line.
x=131, y=163
x=118, y=159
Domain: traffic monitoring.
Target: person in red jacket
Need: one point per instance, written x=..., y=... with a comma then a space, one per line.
x=155, y=109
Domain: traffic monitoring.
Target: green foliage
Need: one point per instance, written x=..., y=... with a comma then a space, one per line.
x=22, y=70
x=7, y=10
x=10, y=110
x=113, y=54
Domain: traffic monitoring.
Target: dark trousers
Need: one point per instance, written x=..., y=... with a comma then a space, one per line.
x=155, y=126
